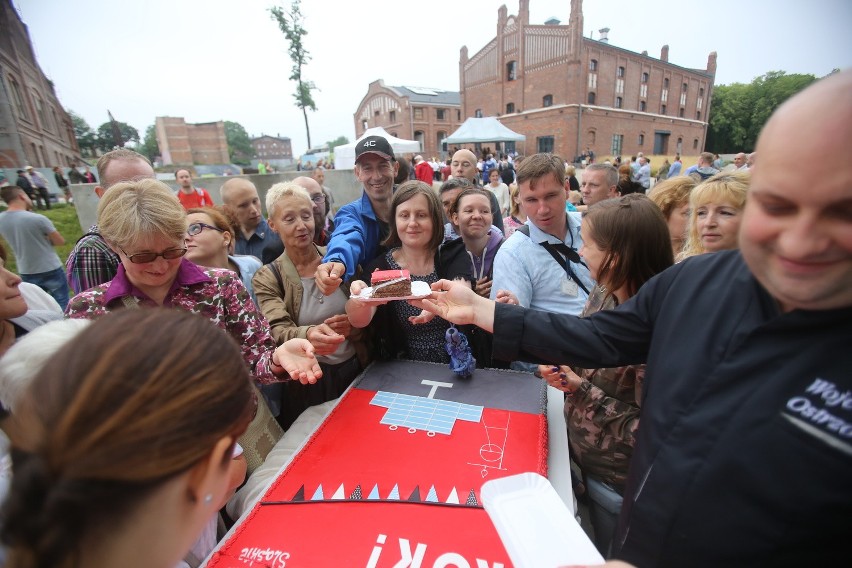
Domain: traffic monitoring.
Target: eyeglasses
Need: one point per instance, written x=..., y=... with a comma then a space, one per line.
x=318, y=198
x=196, y=228
x=145, y=257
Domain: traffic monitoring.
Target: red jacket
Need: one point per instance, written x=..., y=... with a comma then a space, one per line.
x=424, y=172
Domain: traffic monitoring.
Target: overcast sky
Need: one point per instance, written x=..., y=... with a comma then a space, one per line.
x=208, y=60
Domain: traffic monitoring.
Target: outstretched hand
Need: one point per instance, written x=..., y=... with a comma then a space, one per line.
x=329, y=277
x=296, y=358
x=457, y=303
x=561, y=377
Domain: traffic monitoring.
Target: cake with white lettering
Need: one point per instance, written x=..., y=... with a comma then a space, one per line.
x=392, y=476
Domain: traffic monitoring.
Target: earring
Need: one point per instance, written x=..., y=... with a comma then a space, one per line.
x=208, y=498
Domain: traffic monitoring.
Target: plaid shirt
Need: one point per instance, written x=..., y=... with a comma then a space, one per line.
x=215, y=294
x=91, y=262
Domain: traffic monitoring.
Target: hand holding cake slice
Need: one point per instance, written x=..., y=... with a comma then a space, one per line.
x=390, y=283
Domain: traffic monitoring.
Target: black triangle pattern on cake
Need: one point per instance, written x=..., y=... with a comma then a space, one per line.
x=300, y=494
x=356, y=495
x=415, y=495
x=471, y=499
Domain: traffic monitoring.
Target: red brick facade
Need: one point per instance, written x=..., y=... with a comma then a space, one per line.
x=426, y=115
x=34, y=128
x=186, y=144
x=566, y=92
x=272, y=148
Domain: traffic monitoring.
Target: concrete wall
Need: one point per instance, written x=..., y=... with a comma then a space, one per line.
x=342, y=183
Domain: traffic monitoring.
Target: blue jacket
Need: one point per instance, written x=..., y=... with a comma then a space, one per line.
x=356, y=236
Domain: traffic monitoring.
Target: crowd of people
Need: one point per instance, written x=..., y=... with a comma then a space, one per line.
x=696, y=327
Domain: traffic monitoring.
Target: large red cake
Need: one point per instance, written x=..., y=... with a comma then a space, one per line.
x=394, y=473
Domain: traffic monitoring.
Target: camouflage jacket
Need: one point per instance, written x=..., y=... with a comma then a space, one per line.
x=603, y=414
x=214, y=293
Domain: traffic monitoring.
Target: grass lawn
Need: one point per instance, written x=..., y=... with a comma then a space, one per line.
x=64, y=218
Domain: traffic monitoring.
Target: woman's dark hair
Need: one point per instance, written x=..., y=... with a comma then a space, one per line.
x=470, y=191
x=134, y=400
x=633, y=233
x=403, y=172
x=409, y=190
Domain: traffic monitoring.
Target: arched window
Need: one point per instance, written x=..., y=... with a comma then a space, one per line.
x=619, y=72
x=591, y=99
x=477, y=113
x=641, y=139
x=511, y=70
x=665, y=83
x=681, y=113
x=593, y=65
x=642, y=106
x=644, y=77
x=510, y=108
x=695, y=144
x=618, y=102
x=547, y=101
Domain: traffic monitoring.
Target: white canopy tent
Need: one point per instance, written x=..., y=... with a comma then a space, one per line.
x=488, y=129
x=344, y=156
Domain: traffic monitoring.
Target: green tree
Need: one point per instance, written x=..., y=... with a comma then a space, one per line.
x=150, y=148
x=739, y=111
x=339, y=141
x=86, y=137
x=291, y=26
x=106, y=137
x=239, y=144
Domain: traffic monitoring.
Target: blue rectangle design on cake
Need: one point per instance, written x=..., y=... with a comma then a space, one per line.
x=421, y=413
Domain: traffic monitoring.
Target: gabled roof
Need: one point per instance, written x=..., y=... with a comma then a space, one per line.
x=428, y=95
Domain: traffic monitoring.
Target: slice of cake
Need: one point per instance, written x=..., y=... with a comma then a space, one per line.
x=390, y=283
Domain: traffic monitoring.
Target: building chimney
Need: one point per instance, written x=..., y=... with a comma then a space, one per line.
x=664, y=53
x=604, y=35
x=711, y=63
x=645, y=53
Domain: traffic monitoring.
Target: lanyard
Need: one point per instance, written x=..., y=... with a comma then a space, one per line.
x=556, y=251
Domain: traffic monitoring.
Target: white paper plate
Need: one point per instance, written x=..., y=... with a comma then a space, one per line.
x=534, y=524
x=418, y=290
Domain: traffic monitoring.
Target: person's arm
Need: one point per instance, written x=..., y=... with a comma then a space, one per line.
x=90, y=264
x=347, y=243
x=56, y=239
x=360, y=313
x=510, y=273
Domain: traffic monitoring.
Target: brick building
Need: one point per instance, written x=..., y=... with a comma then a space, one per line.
x=34, y=128
x=567, y=92
x=186, y=144
x=272, y=148
x=414, y=113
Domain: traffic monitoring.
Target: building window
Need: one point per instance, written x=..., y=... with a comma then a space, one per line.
x=680, y=145
x=441, y=135
x=701, y=92
x=458, y=115
x=644, y=77
x=695, y=144
x=39, y=106
x=665, y=83
x=618, y=102
x=619, y=86
x=547, y=101
x=441, y=114
x=642, y=106
x=393, y=116
x=643, y=91
x=685, y=87
x=593, y=65
x=590, y=138
x=664, y=96
x=376, y=113
x=545, y=144
x=511, y=70
x=619, y=72
x=593, y=80
x=698, y=115
x=591, y=98
x=418, y=113
x=510, y=108
x=617, y=143
x=364, y=125
x=641, y=139
x=477, y=113
x=19, y=102
x=680, y=114
x=682, y=99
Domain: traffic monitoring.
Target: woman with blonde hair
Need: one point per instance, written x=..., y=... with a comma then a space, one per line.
x=516, y=217
x=672, y=197
x=296, y=308
x=716, y=207
x=125, y=445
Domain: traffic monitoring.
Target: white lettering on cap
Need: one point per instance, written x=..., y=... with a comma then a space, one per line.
x=369, y=143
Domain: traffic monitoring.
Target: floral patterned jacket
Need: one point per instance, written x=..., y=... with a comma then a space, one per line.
x=603, y=413
x=216, y=294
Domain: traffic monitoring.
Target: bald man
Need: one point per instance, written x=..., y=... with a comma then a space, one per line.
x=463, y=165
x=240, y=198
